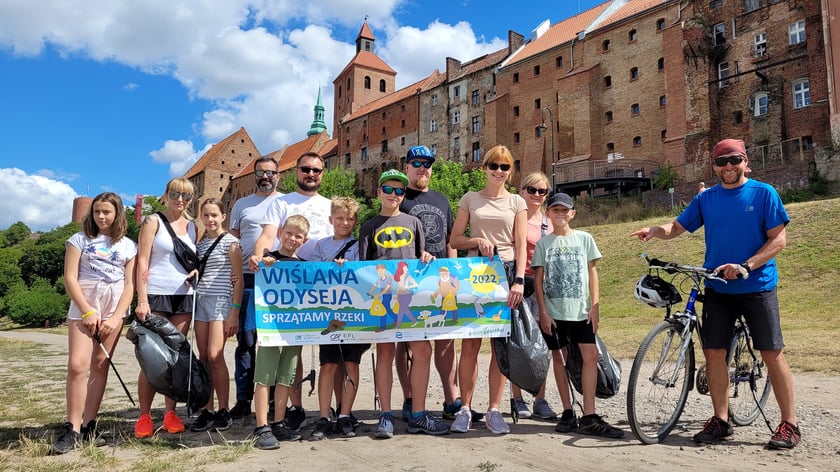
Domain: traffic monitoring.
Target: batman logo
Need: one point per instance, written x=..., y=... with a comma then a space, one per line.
x=394, y=237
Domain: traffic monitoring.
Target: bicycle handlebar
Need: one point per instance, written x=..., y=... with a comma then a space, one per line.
x=674, y=268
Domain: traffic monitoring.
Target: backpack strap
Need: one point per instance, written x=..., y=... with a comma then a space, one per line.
x=203, y=261
x=166, y=223
x=340, y=253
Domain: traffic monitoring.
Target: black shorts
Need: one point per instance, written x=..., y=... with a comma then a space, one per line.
x=168, y=305
x=333, y=353
x=760, y=310
x=578, y=332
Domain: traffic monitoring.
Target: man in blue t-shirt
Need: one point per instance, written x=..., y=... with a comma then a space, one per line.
x=744, y=224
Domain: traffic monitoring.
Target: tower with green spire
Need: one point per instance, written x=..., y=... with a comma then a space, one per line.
x=318, y=124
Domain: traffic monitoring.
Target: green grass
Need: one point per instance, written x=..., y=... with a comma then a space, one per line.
x=809, y=268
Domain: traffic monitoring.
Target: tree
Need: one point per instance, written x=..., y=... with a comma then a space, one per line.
x=44, y=257
x=16, y=234
x=450, y=179
x=37, y=305
x=151, y=204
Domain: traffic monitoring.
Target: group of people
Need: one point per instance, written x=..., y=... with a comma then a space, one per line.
x=528, y=231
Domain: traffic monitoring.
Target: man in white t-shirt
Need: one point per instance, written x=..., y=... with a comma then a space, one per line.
x=246, y=224
x=306, y=201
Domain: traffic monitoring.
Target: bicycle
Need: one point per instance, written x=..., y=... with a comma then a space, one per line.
x=664, y=372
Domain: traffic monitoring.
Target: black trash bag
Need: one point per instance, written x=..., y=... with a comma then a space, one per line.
x=164, y=355
x=524, y=356
x=609, y=370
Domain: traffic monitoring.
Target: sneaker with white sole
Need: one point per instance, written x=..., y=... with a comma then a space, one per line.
x=522, y=408
x=428, y=424
x=542, y=410
x=495, y=423
x=463, y=421
x=385, y=428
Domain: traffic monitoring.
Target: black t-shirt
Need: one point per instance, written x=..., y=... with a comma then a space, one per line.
x=435, y=214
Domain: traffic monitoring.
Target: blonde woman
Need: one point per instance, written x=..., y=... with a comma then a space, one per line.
x=498, y=221
x=162, y=287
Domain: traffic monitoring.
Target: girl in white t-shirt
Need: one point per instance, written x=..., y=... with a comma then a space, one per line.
x=99, y=278
x=217, y=307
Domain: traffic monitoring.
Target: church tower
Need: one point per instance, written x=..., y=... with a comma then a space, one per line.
x=318, y=125
x=364, y=79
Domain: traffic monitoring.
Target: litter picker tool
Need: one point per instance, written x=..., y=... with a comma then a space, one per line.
x=108, y=356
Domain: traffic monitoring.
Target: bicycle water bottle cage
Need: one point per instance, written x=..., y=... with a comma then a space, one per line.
x=656, y=292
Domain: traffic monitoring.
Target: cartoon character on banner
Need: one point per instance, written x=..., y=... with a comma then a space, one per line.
x=382, y=292
x=448, y=287
x=405, y=288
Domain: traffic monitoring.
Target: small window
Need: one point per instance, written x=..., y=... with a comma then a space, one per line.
x=347, y=159
x=660, y=63
x=402, y=108
x=637, y=141
x=516, y=111
x=364, y=154
x=663, y=134
x=558, y=61
x=536, y=70
x=402, y=141
x=383, y=131
x=367, y=82
x=475, y=99
x=634, y=73
x=723, y=74
x=456, y=117
x=515, y=77
x=796, y=32
x=608, y=116
x=608, y=81
x=760, y=45
x=402, y=123
x=434, y=99
x=635, y=109
x=738, y=116
x=538, y=132
x=456, y=92
x=761, y=100
x=456, y=148
x=516, y=138
x=662, y=100
x=610, y=147
x=433, y=126
x=660, y=24
x=807, y=143
x=537, y=104
x=384, y=116
x=719, y=34
x=476, y=152
x=476, y=126
x=750, y=5
x=801, y=93
x=433, y=148
x=605, y=46
x=384, y=145
x=632, y=35
x=339, y=91
x=715, y=4
x=382, y=86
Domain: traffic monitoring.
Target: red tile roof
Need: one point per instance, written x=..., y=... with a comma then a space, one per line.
x=369, y=60
x=212, y=156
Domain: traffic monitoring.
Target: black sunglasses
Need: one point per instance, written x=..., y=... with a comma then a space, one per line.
x=314, y=170
x=496, y=166
x=418, y=164
x=399, y=191
x=734, y=160
x=538, y=191
x=267, y=173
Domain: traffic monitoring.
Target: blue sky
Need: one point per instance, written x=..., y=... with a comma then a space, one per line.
x=123, y=95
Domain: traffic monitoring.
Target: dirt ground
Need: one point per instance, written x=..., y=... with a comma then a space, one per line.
x=532, y=445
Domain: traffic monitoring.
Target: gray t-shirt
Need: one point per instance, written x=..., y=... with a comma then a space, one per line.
x=391, y=237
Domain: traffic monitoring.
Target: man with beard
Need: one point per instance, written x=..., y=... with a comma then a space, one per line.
x=306, y=201
x=245, y=224
x=434, y=212
x=744, y=222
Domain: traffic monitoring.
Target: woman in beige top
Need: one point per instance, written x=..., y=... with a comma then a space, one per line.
x=497, y=220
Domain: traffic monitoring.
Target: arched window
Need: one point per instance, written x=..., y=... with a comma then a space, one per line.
x=608, y=81
x=637, y=141
x=367, y=82
x=632, y=35
x=660, y=24
x=605, y=46
x=382, y=85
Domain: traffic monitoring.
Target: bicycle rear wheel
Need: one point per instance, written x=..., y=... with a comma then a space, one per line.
x=658, y=384
x=746, y=369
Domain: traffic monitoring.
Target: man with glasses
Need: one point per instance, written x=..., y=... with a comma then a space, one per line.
x=434, y=212
x=245, y=224
x=744, y=224
x=306, y=201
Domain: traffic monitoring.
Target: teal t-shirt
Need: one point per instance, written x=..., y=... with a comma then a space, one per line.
x=565, y=260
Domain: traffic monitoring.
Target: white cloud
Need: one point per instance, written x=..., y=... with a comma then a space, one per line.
x=179, y=155
x=40, y=202
x=130, y=86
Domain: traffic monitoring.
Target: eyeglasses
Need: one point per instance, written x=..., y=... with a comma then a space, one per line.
x=496, y=166
x=533, y=190
x=399, y=191
x=173, y=195
x=734, y=160
x=267, y=173
x=313, y=170
x=418, y=164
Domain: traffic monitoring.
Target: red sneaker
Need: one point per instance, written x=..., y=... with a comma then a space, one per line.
x=787, y=436
x=144, y=428
x=172, y=422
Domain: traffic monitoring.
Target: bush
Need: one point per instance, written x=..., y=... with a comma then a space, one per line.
x=37, y=305
x=665, y=178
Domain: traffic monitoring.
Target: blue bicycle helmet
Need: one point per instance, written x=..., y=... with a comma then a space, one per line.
x=419, y=152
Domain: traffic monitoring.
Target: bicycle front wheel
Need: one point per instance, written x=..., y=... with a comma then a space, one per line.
x=659, y=383
x=749, y=381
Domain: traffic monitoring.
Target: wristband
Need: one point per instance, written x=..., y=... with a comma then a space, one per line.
x=236, y=305
x=746, y=266
x=519, y=280
x=90, y=313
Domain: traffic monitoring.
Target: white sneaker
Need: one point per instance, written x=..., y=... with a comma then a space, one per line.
x=495, y=423
x=463, y=421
